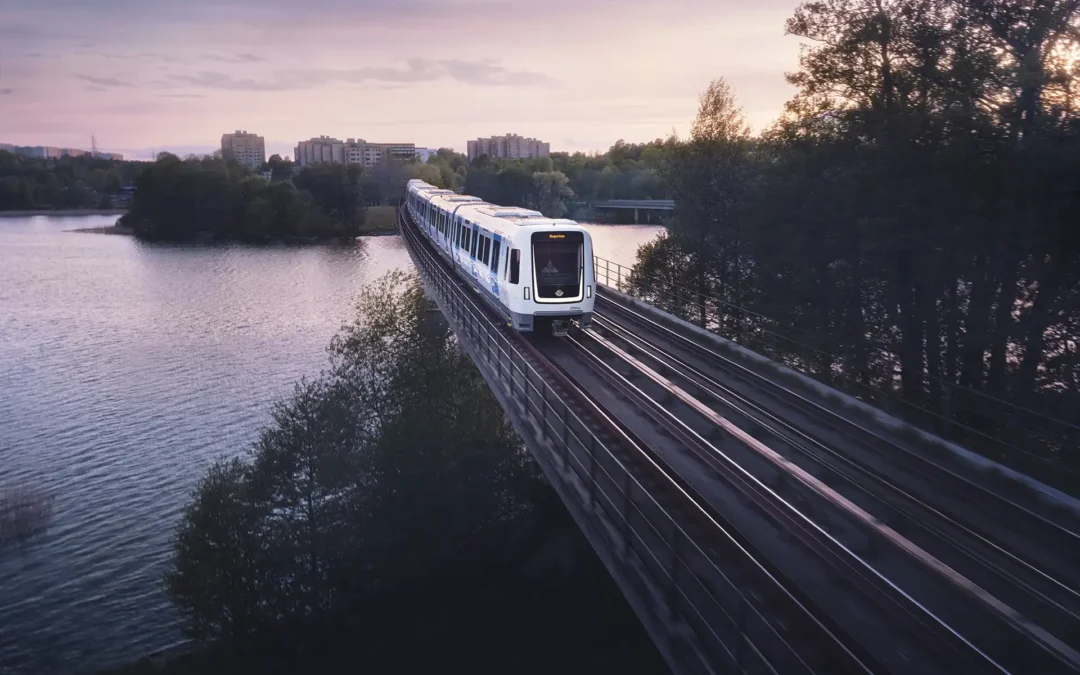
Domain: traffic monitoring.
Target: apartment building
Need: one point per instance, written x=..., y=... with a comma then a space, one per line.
x=34, y=151
x=247, y=149
x=351, y=151
x=321, y=150
x=509, y=146
x=49, y=152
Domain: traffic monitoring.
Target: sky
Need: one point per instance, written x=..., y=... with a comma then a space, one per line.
x=146, y=75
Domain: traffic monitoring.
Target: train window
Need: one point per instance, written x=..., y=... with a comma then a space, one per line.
x=515, y=265
x=495, y=259
x=475, y=240
x=487, y=250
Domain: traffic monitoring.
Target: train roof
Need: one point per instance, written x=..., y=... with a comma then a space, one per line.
x=449, y=201
x=512, y=213
x=505, y=220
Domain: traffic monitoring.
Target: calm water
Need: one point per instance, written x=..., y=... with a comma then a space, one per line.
x=126, y=369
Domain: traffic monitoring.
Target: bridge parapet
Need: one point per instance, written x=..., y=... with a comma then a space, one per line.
x=706, y=602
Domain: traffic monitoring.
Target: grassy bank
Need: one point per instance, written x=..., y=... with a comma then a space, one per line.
x=380, y=220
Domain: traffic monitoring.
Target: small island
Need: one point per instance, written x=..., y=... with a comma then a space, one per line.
x=209, y=198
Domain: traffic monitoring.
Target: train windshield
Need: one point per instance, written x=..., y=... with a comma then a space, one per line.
x=557, y=264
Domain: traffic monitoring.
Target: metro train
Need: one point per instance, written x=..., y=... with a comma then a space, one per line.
x=536, y=271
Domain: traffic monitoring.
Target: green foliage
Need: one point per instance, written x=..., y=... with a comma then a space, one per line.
x=177, y=199
x=552, y=192
x=626, y=171
x=336, y=189
x=909, y=224
x=367, y=478
x=68, y=183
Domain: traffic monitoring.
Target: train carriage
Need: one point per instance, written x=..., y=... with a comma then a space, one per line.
x=536, y=271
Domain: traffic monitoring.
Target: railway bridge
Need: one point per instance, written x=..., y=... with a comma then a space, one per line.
x=758, y=523
x=648, y=207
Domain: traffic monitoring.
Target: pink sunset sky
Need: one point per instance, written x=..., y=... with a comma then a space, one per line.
x=174, y=75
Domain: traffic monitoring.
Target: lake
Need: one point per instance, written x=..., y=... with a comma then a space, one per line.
x=126, y=368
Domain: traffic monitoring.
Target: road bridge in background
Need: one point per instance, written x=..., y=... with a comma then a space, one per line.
x=649, y=207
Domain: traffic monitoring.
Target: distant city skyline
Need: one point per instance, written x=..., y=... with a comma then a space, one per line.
x=166, y=76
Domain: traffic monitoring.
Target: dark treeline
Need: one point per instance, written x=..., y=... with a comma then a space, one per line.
x=67, y=183
x=911, y=223
x=180, y=199
x=377, y=523
x=553, y=184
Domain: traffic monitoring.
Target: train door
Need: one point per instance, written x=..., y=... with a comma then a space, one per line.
x=496, y=255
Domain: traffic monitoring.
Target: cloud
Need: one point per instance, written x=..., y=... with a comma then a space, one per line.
x=181, y=96
x=148, y=57
x=234, y=58
x=105, y=81
x=96, y=87
x=485, y=72
x=213, y=80
x=5, y=92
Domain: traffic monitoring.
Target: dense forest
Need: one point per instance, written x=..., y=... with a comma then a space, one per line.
x=553, y=184
x=910, y=228
x=180, y=199
x=384, y=517
x=67, y=183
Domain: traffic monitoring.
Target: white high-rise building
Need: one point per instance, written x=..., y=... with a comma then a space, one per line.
x=247, y=149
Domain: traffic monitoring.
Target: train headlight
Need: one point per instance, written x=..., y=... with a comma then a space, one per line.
x=588, y=291
x=528, y=296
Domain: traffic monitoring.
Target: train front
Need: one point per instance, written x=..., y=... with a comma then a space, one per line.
x=562, y=277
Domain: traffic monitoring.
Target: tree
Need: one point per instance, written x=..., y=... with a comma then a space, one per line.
x=709, y=177
x=337, y=190
x=902, y=225
x=552, y=193
x=428, y=173
x=367, y=478
x=216, y=573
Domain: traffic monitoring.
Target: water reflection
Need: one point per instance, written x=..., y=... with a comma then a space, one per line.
x=125, y=369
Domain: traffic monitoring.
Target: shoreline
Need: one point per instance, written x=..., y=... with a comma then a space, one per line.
x=106, y=229
x=62, y=212
x=127, y=231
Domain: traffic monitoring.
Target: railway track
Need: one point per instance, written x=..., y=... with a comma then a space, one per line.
x=755, y=619
x=810, y=565
x=1021, y=612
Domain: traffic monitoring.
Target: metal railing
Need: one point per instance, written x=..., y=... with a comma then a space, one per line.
x=707, y=602
x=1027, y=439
